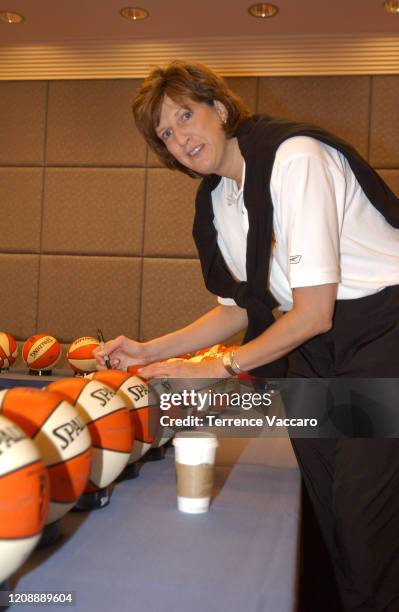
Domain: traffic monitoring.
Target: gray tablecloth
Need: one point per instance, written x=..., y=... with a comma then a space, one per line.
x=141, y=553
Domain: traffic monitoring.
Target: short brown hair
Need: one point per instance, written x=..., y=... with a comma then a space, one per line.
x=182, y=81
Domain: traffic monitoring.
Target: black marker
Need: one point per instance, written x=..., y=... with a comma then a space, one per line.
x=101, y=341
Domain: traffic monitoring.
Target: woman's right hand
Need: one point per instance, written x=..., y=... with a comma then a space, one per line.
x=122, y=352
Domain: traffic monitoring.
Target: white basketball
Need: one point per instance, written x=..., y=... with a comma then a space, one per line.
x=109, y=425
x=8, y=350
x=134, y=392
x=80, y=354
x=41, y=352
x=62, y=438
x=24, y=497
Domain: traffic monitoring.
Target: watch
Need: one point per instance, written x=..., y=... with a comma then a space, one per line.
x=230, y=364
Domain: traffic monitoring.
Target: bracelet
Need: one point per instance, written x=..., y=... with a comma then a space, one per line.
x=230, y=364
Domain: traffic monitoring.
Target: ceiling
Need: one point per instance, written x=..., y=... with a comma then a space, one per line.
x=88, y=39
x=60, y=20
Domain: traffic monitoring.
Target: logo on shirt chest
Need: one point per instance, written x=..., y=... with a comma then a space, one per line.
x=295, y=259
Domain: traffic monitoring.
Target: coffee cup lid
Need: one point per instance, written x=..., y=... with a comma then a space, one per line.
x=195, y=437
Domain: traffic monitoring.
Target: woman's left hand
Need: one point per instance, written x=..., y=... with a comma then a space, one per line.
x=207, y=368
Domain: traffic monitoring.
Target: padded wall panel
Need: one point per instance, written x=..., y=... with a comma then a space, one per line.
x=245, y=87
x=20, y=205
x=22, y=121
x=173, y=295
x=339, y=104
x=391, y=177
x=19, y=362
x=384, y=123
x=169, y=214
x=91, y=123
x=152, y=160
x=79, y=294
x=93, y=211
x=19, y=275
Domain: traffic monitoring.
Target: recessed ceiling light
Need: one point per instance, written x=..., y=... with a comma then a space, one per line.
x=134, y=13
x=392, y=6
x=8, y=17
x=263, y=10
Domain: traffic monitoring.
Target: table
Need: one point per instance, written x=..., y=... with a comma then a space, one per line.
x=21, y=378
x=141, y=553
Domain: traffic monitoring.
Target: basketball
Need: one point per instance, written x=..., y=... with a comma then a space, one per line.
x=197, y=358
x=109, y=425
x=41, y=352
x=133, y=369
x=62, y=438
x=24, y=497
x=210, y=352
x=214, y=351
x=145, y=420
x=80, y=354
x=163, y=434
x=8, y=350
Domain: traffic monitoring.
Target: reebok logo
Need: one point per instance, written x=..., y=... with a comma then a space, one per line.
x=294, y=259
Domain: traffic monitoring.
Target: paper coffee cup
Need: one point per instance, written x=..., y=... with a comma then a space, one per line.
x=194, y=460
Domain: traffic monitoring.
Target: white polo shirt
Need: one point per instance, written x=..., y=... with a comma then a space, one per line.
x=325, y=228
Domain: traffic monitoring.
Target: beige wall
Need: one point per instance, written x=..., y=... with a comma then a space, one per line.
x=93, y=232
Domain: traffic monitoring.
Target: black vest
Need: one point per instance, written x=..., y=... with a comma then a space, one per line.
x=259, y=138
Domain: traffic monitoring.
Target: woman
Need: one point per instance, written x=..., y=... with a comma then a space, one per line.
x=289, y=215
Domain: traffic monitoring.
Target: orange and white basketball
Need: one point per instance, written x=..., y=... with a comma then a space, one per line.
x=62, y=438
x=197, y=358
x=24, y=497
x=41, y=352
x=184, y=357
x=213, y=351
x=8, y=350
x=163, y=433
x=80, y=354
x=145, y=419
x=108, y=420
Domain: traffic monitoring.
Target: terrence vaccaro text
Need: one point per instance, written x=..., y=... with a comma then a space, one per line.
x=202, y=402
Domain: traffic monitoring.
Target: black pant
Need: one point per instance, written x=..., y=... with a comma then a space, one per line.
x=353, y=483
x=354, y=488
